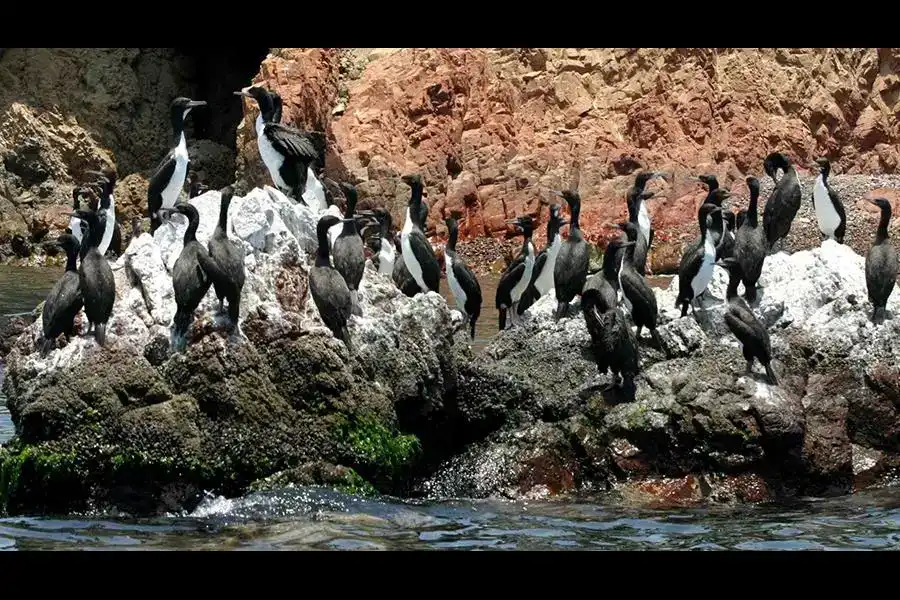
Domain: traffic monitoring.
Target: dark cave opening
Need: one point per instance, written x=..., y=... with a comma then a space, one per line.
x=215, y=74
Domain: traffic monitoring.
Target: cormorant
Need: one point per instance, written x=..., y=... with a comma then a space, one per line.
x=644, y=309
x=196, y=187
x=382, y=244
x=288, y=153
x=65, y=299
x=112, y=234
x=750, y=243
x=192, y=275
x=744, y=325
x=829, y=208
x=637, y=208
x=544, y=262
x=613, y=342
x=517, y=276
x=881, y=262
x=715, y=223
x=641, y=246
x=570, y=270
x=784, y=202
x=74, y=222
x=725, y=248
x=418, y=255
x=461, y=279
x=328, y=287
x=167, y=182
x=696, y=267
x=98, y=286
x=229, y=257
x=739, y=220
x=348, y=253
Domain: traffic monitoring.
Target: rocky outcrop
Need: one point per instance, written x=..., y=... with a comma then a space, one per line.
x=700, y=427
x=135, y=427
x=494, y=130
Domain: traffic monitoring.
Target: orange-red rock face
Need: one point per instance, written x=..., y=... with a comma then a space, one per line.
x=494, y=131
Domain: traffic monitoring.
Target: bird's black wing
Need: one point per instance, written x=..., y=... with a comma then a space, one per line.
x=839, y=208
x=292, y=142
x=539, y=263
x=508, y=281
x=467, y=280
x=162, y=176
x=425, y=256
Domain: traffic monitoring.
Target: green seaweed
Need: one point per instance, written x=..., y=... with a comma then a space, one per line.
x=37, y=470
x=379, y=453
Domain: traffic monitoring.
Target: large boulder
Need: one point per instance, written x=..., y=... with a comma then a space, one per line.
x=698, y=418
x=137, y=427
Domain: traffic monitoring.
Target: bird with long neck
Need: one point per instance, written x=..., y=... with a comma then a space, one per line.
x=637, y=207
x=229, y=257
x=167, y=182
x=107, y=182
x=572, y=261
x=830, y=213
x=544, y=262
x=881, y=262
x=64, y=300
x=98, y=287
x=517, y=276
x=783, y=202
x=418, y=255
x=328, y=288
x=463, y=283
x=347, y=251
x=750, y=244
x=696, y=267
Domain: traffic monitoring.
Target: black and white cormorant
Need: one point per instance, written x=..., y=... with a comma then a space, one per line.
x=750, y=243
x=64, y=300
x=328, y=287
x=641, y=300
x=98, y=286
x=167, y=182
x=881, y=262
x=571, y=268
x=696, y=267
x=829, y=209
x=715, y=222
x=725, y=248
x=74, y=228
x=544, y=262
x=382, y=244
x=112, y=233
x=192, y=275
x=418, y=255
x=348, y=253
x=637, y=211
x=784, y=201
x=462, y=281
x=229, y=257
x=642, y=245
x=612, y=340
x=517, y=276
x=290, y=155
x=744, y=325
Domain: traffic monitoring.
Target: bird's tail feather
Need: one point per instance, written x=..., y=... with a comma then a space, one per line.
x=770, y=373
x=100, y=333
x=502, y=316
x=354, y=303
x=472, y=326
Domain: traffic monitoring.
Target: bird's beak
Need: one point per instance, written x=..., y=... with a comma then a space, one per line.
x=196, y=103
x=512, y=222
x=244, y=92
x=872, y=202
x=659, y=175
x=560, y=194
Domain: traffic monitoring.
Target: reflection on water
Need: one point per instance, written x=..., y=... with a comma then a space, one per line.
x=23, y=288
x=309, y=518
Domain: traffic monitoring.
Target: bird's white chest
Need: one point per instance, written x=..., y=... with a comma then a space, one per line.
x=644, y=222
x=828, y=218
x=522, y=284
x=75, y=226
x=386, y=257
x=704, y=274
x=173, y=189
x=269, y=155
x=409, y=258
x=544, y=282
x=458, y=293
x=314, y=194
x=110, y=226
x=622, y=298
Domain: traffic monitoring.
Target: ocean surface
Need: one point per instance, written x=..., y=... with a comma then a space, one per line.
x=321, y=519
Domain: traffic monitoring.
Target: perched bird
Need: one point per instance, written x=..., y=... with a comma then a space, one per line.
x=348, y=253
x=98, y=287
x=637, y=210
x=571, y=268
x=328, y=287
x=65, y=299
x=696, y=267
x=167, y=181
x=112, y=234
x=382, y=245
x=614, y=344
x=750, y=243
x=726, y=242
x=229, y=257
x=641, y=299
x=418, y=255
x=461, y=279
x=744, y=325
x=74, y=228
x=881, y=262
x=829, y=209
x=517, y=276
x=715, y=222
x=196, y=187
x=641, y=246
x=739, y=219
x=288, y=153
x=192, y=275
x=784, y=201
x=544, y=262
